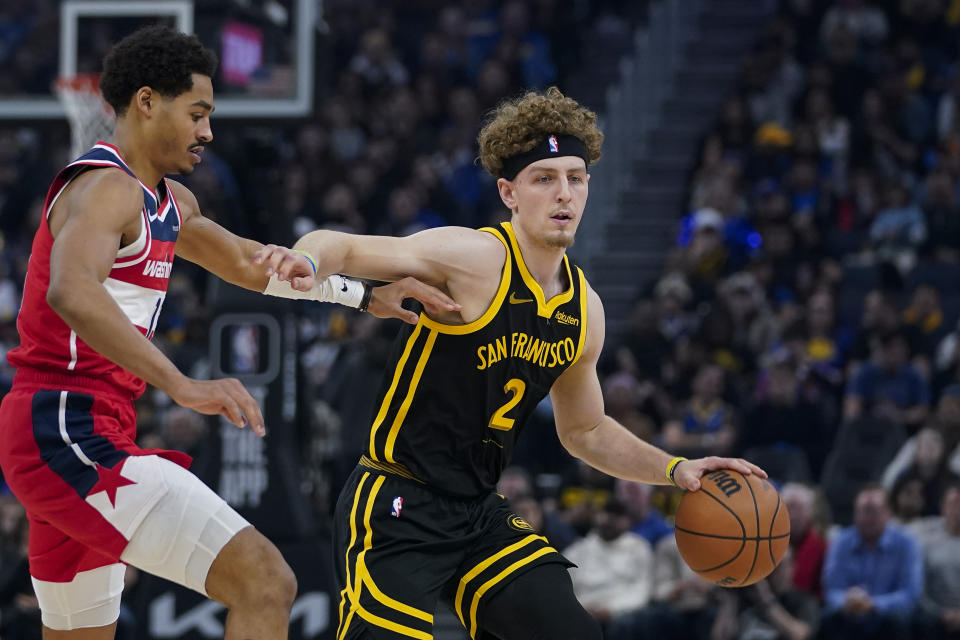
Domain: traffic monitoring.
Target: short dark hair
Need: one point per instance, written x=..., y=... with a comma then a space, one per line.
x=893, y=336
x=871, y=486
x=949, y=482
x=158, y=57
x=906, y=476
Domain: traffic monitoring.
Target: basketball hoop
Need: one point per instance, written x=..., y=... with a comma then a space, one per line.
x=91, y=118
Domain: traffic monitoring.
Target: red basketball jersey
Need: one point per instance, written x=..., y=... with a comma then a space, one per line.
x=137, y=282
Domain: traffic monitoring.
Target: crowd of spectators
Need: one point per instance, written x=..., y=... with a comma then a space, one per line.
x=807, y=318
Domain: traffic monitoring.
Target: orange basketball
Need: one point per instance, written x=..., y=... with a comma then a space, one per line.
x=734, y=530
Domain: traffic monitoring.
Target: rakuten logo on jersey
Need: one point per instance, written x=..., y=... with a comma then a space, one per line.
x=157, y=268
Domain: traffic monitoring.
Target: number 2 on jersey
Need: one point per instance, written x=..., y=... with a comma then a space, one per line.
x=500, y=421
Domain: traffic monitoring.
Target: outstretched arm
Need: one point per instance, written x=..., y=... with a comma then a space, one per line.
x=230, y=257
x=463, y=263
x=436, y=256
x=602, y=442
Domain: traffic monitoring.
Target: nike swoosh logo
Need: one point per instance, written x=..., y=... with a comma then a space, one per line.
x=515, y=300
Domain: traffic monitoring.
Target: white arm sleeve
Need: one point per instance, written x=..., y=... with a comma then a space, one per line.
x=335, y=288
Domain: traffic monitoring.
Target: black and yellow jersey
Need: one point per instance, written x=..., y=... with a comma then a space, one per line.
x=455, y=397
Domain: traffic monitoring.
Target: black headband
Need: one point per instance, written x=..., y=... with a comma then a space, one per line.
x=549, y=147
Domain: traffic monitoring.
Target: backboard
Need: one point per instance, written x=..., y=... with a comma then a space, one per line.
x=265, y=49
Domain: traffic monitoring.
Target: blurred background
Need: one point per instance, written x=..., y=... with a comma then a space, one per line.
x=773, y=229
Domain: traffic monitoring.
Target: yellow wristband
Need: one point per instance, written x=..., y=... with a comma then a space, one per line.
x=672, y=467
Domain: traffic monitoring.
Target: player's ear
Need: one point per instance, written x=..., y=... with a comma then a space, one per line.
x=507, y=194
x=144, y=100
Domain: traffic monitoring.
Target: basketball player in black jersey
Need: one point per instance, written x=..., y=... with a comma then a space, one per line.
x=418, y=519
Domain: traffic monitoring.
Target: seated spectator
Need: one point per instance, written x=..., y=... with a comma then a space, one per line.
x=643, y=346
x=781, y=80
x=888, y=386
x=880, y=316
x=623, y=395
x=755, y=327
x=873, y=576
x=682, y=606
x=717, y=333
x=704, y=260
x=827, y=343
x=522, y=43
x=706, y=425
x=942, y=214
x=946, y=422
x=907, y=500
x=939, y=614
x=614, y=573
x=673, y=295
x=899, y=229
x=377, y=62
x=646, y=520
x=832, y=130
x=924, y=317
x=782, y=419
x=807, y=545
x=772, y=609
x=926, y=474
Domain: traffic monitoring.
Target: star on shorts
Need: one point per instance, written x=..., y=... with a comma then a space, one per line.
x=109, y=480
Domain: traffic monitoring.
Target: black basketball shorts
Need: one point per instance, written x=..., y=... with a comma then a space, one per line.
x=400, y=547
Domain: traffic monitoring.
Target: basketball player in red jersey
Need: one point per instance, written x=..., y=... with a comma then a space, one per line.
x=95, y=284
x=419, y=520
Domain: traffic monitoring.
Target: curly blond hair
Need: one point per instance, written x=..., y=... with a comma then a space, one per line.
x=517, y=124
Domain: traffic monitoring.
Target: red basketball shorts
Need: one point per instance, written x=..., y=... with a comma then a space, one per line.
x=69, y=456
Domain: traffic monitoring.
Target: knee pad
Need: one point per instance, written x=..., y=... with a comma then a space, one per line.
x=91, y=599
x=184, y=531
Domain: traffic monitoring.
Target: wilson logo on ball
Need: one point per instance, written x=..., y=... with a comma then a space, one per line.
x=725, y=482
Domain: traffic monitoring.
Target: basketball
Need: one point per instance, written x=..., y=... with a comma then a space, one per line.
x=733, y=531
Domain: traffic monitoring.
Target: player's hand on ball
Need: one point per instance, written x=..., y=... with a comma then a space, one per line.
x=689, y=472
x=289, y=266
x=387, y=300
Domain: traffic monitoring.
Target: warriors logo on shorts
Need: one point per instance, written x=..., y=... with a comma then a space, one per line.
x=518, y=523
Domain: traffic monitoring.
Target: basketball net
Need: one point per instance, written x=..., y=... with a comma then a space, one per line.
x=91, y=118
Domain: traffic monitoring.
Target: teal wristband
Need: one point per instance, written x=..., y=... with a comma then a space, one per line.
x=313, y=263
